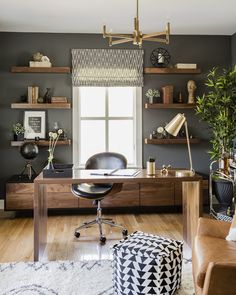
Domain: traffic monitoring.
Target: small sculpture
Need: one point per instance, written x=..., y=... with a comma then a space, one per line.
x=191, y=85
x=164, y=170
x=37, y=56
x=40, y=60
x=47, y=96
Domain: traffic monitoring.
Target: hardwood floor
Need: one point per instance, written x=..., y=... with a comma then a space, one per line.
x=16, y=235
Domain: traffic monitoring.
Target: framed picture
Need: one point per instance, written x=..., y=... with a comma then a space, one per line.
x=35, y=124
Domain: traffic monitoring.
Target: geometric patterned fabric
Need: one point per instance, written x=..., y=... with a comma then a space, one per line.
x=147, y=264
x=107, y=67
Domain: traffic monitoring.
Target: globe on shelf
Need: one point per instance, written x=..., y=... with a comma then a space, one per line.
x=29, y=151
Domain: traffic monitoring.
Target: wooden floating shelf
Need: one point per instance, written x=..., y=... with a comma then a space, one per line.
x=56, y=70
x=171, y=71
x=170, y=105
x=41, y=142
x=40, y=105
x=171, y=141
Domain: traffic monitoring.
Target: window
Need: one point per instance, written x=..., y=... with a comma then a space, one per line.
x=107, y=119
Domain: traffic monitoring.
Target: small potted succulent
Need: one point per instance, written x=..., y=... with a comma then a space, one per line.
x=151, y=93
x=18, y=131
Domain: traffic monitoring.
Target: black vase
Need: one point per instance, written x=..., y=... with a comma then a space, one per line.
x=223, y=191
x=47, y=96
x=19, y=137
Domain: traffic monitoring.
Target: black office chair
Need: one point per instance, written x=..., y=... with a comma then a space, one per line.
x=97, y=192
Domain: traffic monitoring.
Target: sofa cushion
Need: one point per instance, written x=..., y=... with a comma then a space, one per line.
x=209, y=249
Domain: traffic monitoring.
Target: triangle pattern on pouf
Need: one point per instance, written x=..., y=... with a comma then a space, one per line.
x=146, y=264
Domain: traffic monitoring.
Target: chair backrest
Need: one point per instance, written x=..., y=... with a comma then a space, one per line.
x=106, y=160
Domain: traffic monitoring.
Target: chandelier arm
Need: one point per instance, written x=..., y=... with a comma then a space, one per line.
x=161, y=40
x=145, y=36
x=121, y=41
x=122, y=36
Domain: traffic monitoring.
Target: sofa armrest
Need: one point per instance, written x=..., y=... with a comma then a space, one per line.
x=220, y=279
x=213, y=228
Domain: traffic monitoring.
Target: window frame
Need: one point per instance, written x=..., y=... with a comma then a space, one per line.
x=137, y=115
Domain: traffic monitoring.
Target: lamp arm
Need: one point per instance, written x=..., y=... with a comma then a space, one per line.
x=189, y=149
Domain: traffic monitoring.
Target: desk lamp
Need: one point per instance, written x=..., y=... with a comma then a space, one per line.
x=173, y=128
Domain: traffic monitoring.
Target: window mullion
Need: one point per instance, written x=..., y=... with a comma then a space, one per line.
x=106, y=120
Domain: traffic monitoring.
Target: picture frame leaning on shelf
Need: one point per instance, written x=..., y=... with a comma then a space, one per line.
x=35, y=124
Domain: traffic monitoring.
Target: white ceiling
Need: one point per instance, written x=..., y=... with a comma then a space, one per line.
x=214, y=17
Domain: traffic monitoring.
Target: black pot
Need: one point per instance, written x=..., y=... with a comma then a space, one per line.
x=19, y=137
x=223, y=191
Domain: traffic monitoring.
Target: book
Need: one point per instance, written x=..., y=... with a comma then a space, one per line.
x=186, y=66
x=167, y=92
x=33, y=94
x=40, y=64
x=116, y=172
x=58, y=99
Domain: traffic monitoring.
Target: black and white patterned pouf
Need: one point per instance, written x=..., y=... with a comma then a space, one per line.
x=147, y=264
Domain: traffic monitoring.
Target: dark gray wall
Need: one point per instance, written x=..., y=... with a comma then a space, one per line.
x=17, y=48
x=233, y=50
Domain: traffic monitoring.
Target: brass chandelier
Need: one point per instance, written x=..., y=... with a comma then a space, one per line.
x=137, y=37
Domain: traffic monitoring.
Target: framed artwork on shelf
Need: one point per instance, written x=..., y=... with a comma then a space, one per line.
x=35, y=124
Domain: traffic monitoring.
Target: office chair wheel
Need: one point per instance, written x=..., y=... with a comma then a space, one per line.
x=103, y=239
x=125, y=232
x=77, y=234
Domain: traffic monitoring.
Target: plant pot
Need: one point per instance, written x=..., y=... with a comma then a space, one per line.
x=223, y=191
x=19, y=137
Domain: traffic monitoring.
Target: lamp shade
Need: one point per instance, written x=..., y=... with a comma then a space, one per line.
x=174, y=126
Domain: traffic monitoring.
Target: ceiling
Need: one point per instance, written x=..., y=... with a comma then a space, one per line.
x=204, y=17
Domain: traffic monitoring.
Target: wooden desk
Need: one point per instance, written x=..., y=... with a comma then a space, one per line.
x=192, y=200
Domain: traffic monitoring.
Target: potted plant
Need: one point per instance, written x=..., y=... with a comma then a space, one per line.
x=217, y=107
x=151, y=93
x=18, y=131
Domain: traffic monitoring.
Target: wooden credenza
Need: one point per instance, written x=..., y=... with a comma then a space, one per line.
x=19, y=196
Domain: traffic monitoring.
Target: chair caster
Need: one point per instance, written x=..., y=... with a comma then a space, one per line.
x=103, y=239
x=125, y=232
x=77, y=234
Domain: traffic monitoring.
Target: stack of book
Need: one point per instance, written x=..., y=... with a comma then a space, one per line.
x=40, y=64
x=167, y=92
x=186, y=66
x=59, y=99
x=33, y=94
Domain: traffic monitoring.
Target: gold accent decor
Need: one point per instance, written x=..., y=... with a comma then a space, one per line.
x=137, y=37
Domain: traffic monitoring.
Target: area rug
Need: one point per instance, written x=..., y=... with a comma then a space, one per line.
x=68, y=278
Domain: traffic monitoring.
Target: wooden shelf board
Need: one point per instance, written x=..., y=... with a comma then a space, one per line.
x=171, y=71
x=41, y=142
x=41, y=106
x=56, y=70
x=170, y=105
x=171, y=141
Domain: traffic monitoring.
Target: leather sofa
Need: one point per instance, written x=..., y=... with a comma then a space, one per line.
x=214, y=259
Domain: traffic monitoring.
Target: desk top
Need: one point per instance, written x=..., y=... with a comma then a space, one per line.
x=84, y=176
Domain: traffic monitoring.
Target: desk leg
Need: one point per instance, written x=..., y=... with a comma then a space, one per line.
x=40, y=220
x=192, y=209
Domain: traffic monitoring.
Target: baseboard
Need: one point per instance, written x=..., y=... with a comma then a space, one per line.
x=1, y=204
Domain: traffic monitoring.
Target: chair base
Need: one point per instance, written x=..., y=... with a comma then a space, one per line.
x=100, y=221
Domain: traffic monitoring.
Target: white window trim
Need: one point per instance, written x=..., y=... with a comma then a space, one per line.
x=137, y=127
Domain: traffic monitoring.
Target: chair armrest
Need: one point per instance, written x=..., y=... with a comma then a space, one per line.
x=220, y=279
x=213, y=228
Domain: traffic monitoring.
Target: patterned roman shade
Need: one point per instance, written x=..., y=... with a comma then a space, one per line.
x=107, y=67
